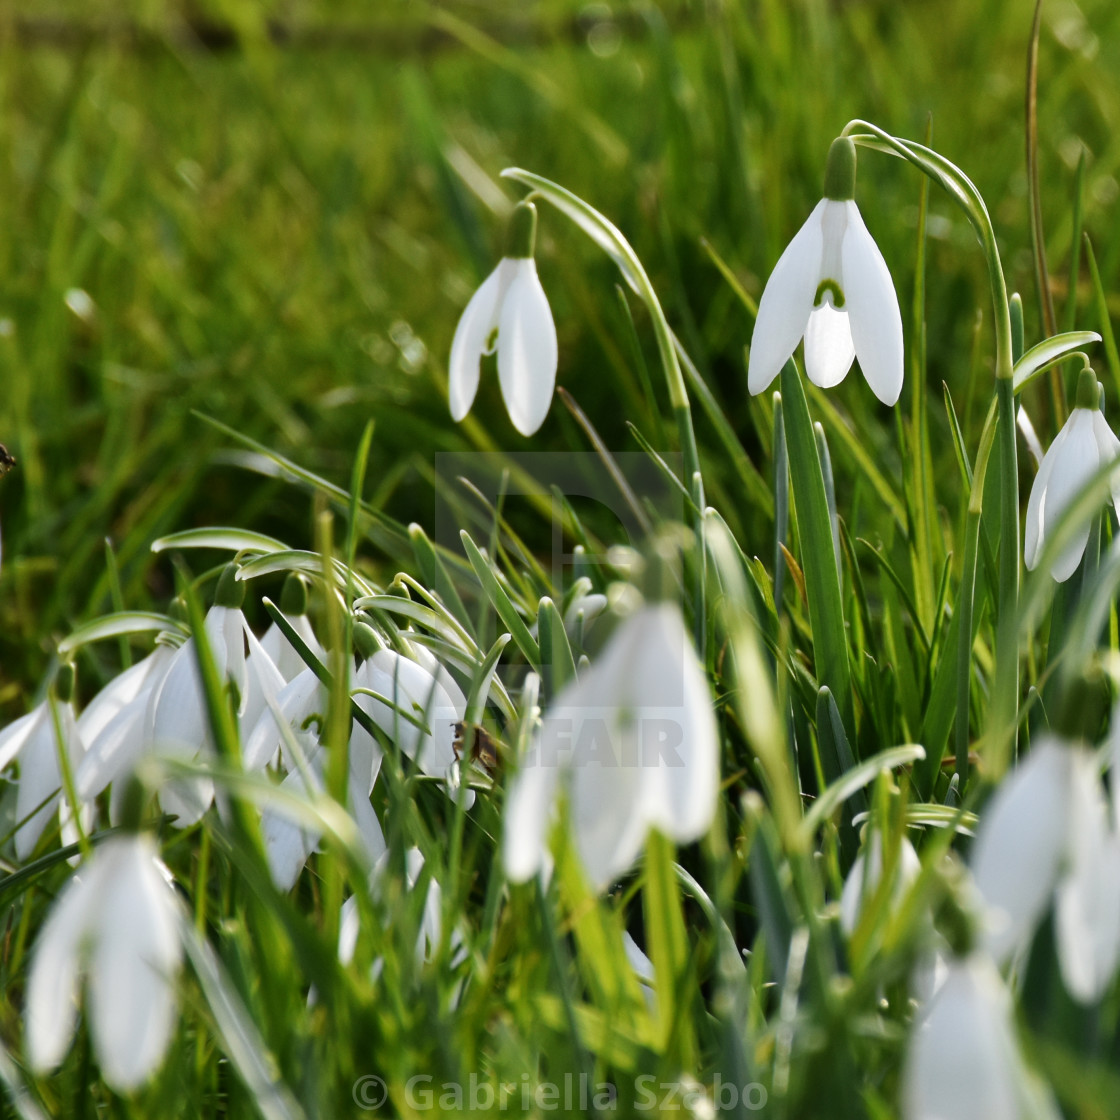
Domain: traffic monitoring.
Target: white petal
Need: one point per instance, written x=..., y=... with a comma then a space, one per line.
x=51, y=1002
x=962, y=1062
x=872, y=306
x=471, y=335
x=1088, y=899
x=369, y=827
x=122, y=689
x=1021, y=843
x=263, y=682
x=1109, y=447
x=281, y=651
x=13, y=737
x=133, y=966
x=866, y=874
x=829, y=349
x=1076, y=463
x=528, y=814
x=40, y=781
x=301, y=698
x=527, y=354
x=787, y=300
x=1033, y=534
x=287, y=844
x=348, y=929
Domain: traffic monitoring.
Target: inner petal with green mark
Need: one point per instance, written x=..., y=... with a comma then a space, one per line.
x=829, y=288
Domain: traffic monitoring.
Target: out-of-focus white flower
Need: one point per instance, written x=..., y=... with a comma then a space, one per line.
x=963, y=1061
x=831, y=286
x=115, y=922
x=866, y=876
x=509, y=312
x=1045, y=837
x=34, y=741
x=1083, y=446
x=635, y=740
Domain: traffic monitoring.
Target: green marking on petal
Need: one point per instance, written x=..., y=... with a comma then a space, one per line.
x=829, y=286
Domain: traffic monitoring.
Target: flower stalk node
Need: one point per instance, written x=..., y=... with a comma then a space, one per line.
x=521, y=234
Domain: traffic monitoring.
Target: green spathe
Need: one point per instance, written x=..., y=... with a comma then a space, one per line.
x=840, y=172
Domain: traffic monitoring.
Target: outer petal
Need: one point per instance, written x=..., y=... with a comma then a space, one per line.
x=1033, y=532
x=1021, y=843
x=51, y=1003
x=872, y=307
x=679, y=741
x=1076, y=463
x=280, y=650
x=527, y=353
x=1088, y=899
x=866, y=874
x=475, y=325
x=286, y=844
x=829, y=349
x=787, y=300
x=122, y=689
x=528, y=814
x=962, y=1063
x=133, y=967
x=40, y=782
x=1109, y=447
x=13, y=737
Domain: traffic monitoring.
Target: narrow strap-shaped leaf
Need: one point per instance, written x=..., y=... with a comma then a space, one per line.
x=221, y=537
x=1038, y=359
x=556, y=652
x=502, y=603
x=115, y=625
x=822, y=581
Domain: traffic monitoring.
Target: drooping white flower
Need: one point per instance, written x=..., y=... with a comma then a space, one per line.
x=831, y=287
x=635, y=741
x=293, y=604
x=33, y=740
x=963, y=1061
x=114, y=923
x=1045, y=838
x=1083, y=446
x=866, y=876
x=509, y=312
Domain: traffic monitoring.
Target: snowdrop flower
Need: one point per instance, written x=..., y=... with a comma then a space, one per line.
x=180, y=725
x=115, y=922
x=509, y=312
x=1081, y=448
x=33, y=740
x=831, y=286
x=293, y=605
x=116, y=726
x=635, y=740
x=963, y=1061
x=866, y=875
x=1045, y=837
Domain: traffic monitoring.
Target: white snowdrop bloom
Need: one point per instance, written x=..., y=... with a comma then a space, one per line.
x=509, y=312
x=180, y=722
x=288, y=843
x=633, y=740
x=1045, y=838
x=963, y=1061
x=33, y=741
x=115, y=923
x=293, y=604
x=116, y=744
x=831, y=286
x=1082, y=448
x=415, y=711
x=866, y=875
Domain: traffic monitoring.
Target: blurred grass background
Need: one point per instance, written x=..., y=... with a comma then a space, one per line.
x=274, y=214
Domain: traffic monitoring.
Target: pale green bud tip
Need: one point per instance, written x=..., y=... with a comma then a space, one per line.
x=231, y=592
x=840, y=173
x=1088, y=392
x=521, y=234
x=365, y=640
x=64, y=683
x=293, y=599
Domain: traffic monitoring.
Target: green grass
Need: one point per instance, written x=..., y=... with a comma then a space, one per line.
x=281, y=237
